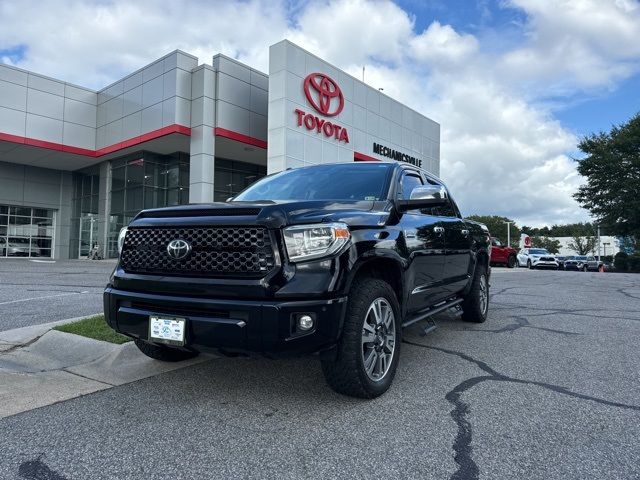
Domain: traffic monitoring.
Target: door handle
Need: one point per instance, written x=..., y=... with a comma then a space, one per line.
x=438, y=230
x=465, y=232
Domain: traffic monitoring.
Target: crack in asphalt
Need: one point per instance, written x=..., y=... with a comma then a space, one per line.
x=463, y=450
x=521, y=323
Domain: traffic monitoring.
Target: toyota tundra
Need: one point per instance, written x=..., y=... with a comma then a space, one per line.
x=332, y=259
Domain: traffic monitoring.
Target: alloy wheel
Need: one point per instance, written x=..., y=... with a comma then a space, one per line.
x=484, y=294
x=378, y=339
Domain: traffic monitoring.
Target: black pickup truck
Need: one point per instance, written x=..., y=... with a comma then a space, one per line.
x=332, y=259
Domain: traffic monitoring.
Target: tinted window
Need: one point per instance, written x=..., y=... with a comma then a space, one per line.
x=538, y=251
x=364, y=181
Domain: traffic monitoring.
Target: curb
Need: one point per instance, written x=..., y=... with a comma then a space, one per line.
x=23, y=336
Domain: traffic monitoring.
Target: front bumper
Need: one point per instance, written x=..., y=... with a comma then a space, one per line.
x=232, y=325
x=544, y=264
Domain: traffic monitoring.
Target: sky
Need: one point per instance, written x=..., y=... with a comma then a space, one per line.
x=514, y=84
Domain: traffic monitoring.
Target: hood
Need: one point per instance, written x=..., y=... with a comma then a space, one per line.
x=273, y=214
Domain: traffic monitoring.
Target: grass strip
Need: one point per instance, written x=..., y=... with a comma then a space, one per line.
x=94, y=327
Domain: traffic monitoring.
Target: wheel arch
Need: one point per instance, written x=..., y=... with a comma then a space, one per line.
x=389, y=269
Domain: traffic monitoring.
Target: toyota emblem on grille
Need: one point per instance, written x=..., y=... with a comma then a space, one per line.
x=178, y=249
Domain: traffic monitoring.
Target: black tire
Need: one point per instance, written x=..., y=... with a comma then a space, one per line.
x=345, y=372
x=474, y=307
x=529, y=266
x=511, y=261
x=585, y=268
x=163, y=353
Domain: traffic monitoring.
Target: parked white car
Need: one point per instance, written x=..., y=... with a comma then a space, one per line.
x=537, y=258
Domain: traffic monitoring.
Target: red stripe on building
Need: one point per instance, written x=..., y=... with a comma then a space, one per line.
x=361, y=157
x=131, y=142
x=223, y=132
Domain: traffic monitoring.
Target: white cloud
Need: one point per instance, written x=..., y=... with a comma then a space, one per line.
x=575, y=44
x=502, y=151
x=442, y=44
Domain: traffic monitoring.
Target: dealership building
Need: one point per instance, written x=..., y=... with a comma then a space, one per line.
x=77, y=164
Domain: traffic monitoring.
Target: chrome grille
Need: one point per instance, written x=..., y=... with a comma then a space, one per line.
x=215, y=251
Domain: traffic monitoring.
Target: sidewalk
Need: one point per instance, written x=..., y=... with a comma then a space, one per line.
x=40, y=366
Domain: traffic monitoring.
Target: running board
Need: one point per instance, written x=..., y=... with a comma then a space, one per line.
x=433, y=311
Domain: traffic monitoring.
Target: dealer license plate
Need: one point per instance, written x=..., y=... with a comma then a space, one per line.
x=167, y=330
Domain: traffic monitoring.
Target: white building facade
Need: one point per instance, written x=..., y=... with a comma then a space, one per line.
x=77, y=164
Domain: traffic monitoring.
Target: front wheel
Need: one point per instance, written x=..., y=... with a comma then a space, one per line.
x=369, y=349
x=529, y=266
x=585, y=269
x=475, y=306
x=511, y=261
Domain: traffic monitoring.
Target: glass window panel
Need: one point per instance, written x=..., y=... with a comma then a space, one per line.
x=133, y=201
x=94, y=204
x=25, y=212
x=4, y=210
x=86, y=185
x=45, y=253
x=184, y=175
x=117, y=202
x=86, y=205
x=222, y=180
x=118, y=178
x=4, y=219
x=95, y=187
x=3, y=230
x=43, y=221
x=184, y=196
x=153, y=197
x=135, y=173
x=173, y=197
x=172, y=176
x=41, y=242
x=152, y=175
x=42, y=213
x=18, y=247
x=220, y=196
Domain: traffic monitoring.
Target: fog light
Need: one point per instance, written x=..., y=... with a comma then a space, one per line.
x=305, y=323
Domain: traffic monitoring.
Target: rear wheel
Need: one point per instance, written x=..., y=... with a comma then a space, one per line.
x=511, y=261
x=162, y=352
x=369, y=349
x=476, y=303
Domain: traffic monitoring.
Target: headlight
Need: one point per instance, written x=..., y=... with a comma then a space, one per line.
x=306, y=242
x=121, y=236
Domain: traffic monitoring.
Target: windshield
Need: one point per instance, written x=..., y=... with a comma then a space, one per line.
x=580, y=257
x=538, y=251
x=357, y=181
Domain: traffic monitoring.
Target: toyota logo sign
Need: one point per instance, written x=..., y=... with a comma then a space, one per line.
x=178, y=249
x=321, y=90
x=325, y=96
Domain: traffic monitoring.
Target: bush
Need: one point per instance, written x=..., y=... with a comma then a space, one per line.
x=620, y=262
x=633, y=263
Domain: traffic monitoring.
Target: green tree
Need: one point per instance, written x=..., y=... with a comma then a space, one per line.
x=552, y=246
x=498, y=228
x=583, y=245
x=611, y=168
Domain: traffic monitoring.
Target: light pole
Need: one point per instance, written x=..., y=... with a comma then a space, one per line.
x=598, y=242
x=508, y=233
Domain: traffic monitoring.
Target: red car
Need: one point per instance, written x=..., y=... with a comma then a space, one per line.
x=503, y=254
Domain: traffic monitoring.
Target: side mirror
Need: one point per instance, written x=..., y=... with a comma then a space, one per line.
x=424, y=196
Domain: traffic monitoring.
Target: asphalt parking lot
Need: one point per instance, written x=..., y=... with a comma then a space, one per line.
x=548, y=388
x=33, y=293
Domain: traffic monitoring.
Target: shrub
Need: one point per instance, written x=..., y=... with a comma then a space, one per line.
x=620, y=262
x=633, y=263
